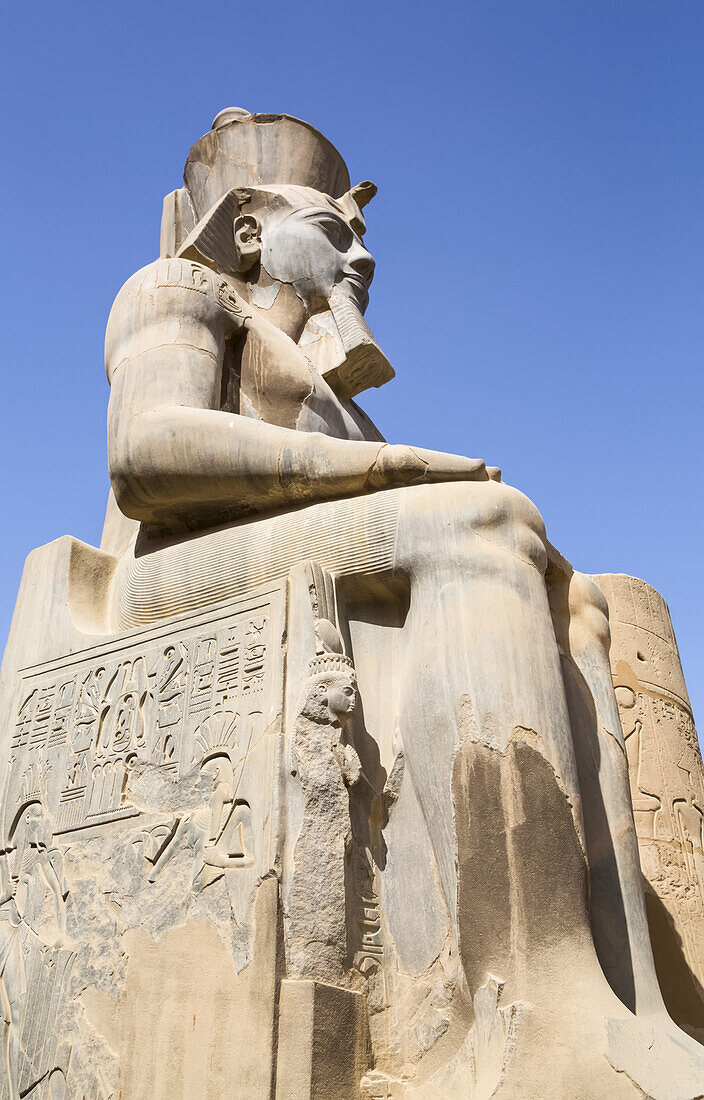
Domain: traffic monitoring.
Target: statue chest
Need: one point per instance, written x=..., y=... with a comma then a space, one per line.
x=278, y=385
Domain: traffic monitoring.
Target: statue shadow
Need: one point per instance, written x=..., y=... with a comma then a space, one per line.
x=606, y=895
x=682, y=993
x=377, y=605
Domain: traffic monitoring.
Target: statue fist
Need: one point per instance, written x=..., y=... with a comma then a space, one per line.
x=397, y=464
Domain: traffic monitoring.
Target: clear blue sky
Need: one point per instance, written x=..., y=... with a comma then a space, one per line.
x=538, y=234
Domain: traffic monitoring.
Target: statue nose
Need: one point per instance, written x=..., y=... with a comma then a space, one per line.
x=362, y=262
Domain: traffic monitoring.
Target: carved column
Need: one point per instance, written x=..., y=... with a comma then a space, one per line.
x=667, y=787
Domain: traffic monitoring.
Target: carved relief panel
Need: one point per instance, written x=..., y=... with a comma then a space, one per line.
x=667, y=786
x=151, y=746
x=82, y=723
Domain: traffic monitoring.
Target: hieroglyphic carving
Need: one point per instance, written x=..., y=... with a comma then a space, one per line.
x=254, y=656
x=219, y=832
x=187, y=698
x=665, y=765
x=48, y=970
x=168, y=703
x=368, y=942
x=188, y=275
x=34, y=963
x=92, y=717
x=13, y=984
x=229, y=670
x=201, y=694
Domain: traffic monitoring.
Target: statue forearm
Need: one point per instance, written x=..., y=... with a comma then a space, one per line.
x=177, y=459
x=176, y=464
x=173, y=461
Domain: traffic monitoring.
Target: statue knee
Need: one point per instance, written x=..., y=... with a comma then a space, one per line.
x=462, y=518
x=589, y=614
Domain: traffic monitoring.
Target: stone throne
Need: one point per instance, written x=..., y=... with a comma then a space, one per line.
x=315, y=782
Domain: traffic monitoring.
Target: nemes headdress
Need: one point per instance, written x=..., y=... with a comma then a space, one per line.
x=244, y=150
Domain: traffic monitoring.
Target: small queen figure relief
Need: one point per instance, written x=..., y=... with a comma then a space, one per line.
x=326, y=763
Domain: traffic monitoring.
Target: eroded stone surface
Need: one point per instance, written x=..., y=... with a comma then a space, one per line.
x=138, y=813
x=314, y=779
x=667, y=787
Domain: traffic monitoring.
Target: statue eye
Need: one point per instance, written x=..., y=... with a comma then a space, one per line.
x=338, y=234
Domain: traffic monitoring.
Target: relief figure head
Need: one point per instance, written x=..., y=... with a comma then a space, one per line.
x=219, y=769
x=329, y=695
x=341, y=697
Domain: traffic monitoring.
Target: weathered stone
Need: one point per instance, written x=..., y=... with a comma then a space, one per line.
x=314, y=780
x=667, y=788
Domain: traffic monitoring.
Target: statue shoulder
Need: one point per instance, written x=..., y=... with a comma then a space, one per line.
x=166, y=289
x=156, y=282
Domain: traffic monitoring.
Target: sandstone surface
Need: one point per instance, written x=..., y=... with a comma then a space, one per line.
x=326, y=775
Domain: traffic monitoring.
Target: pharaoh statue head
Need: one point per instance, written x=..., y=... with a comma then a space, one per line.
x=267, y=201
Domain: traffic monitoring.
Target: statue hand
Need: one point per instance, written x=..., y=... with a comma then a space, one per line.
x=398, y=464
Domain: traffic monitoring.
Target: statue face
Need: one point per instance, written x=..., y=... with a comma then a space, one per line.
x=314, y=248
x=341, y=699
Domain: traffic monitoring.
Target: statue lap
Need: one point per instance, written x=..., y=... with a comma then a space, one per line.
x=416, y=530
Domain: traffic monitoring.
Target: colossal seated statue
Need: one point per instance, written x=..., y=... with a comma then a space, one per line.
x=326, y=731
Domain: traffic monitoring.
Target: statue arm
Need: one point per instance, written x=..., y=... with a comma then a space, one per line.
x=174, y=456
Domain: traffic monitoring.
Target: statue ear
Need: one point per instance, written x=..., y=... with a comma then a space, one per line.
x=248, y=241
